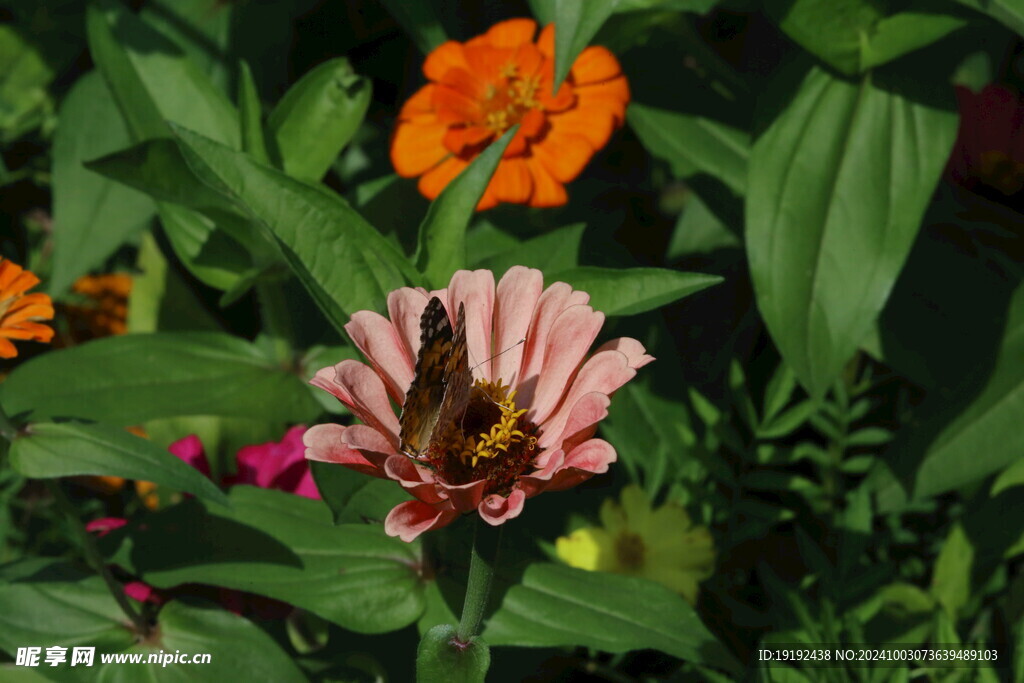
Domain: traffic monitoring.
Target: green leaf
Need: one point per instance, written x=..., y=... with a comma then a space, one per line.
x=24, y=77
x=551, y=252
x=1008, y=12
x=69, y=449
x=438, y=659
x=951, y=580
x=284, y=547
x=55, y=605
x=316, y=118
x=557, y=606
x=201, y=28
x=839, y=179
x=576, y=23
x=92, y=216
x=344, y=263
x=129, y=379
x=338, y=485
x=693, y=144
x=250, y=112
x=442, y=235
x=419, y=20
x=856, y=35
x=698, y=231
x=787, y=422
x=634, y=290
x=209, y=254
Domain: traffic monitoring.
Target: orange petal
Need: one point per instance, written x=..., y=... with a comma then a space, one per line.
x=596, y=124
x=489, y=200
x=489, y=63
x=458, y=140
x=435, y=180
x=28, y=330
x=454, y=106
x=512, y=32
x=529, y=59
x=445, y=56
x=546, y=41
x=512, y=181
x=595, y=64
x=613, y=95
x=532, y=123
x=420, y=106
x=547, y=191
x=564, y=154
x=8, y=272
x=517, y=146
x=416, y=148
x=466, y=82
x=7, y=349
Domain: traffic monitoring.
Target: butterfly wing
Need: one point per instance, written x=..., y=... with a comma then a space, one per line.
x=423, y=400
x=458, y=380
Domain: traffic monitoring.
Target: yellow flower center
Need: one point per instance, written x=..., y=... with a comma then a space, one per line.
x=506, y=102
x=493, y=442
x=629, y=550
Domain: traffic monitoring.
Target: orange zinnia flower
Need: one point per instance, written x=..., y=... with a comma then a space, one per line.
x=106, y=313
x=481, y=88
x=20, y=313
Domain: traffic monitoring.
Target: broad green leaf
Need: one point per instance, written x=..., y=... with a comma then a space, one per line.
x=698, y=231
x=133, y=378
x=210, y=254
x=634, y=290
x=24, y=77
x=855, y=35
x=576, y=23
x=284, y=547
x=951, y=580
x=201, y=28
x=419, y=20
x=337, y=485
x=92, y=216
x=1008, y=478
x=840, y=178
x=442, y=235
x=693, y=144
x=69, y=449
x=981, y=438
x=344, y=263
x=1009, y=12
x=557, y=606
x=250, y=114
x=695, y=6
x=48, y=605
x=316, y=118
x=551, y=252
x=437, y=659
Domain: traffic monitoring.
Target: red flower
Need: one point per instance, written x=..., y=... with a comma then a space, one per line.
x=989, y=150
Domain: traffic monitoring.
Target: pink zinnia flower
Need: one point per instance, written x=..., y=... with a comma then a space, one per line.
x=531, y=418
x=990, y=144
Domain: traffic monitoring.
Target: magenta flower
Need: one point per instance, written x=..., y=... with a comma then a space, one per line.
x=532, y=413
x=274, y=465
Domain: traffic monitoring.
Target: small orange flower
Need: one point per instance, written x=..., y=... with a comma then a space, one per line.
x=107, y=311
x=20, y=313
x=481, y=88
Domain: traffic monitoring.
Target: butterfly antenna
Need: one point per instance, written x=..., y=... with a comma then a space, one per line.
x=521, y=341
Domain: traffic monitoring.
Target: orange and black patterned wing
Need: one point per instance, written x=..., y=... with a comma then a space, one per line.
x=423, y=401
x=458, y=380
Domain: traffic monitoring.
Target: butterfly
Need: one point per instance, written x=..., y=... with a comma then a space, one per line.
x=440, y=389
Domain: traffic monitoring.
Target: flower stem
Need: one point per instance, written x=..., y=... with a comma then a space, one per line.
x=276, y=318
x=7, y=428
x=483, y=560
x=94, y=558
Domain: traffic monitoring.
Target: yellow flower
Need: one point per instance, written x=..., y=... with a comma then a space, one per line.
x=661, y=545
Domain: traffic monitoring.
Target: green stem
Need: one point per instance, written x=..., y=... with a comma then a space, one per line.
x=276, y=318
x=94, y=558
x=483, y=560
x=7, y=428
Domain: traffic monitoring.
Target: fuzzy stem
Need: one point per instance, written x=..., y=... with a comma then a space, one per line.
x=94, y=558
x=483, y=560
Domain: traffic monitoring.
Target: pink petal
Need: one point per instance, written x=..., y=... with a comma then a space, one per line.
x=634, y=351
x=324, y=444
x=410, y=519
x=307, y=486
x=589, y=458
x=571, y=336
x=516, y=299
x=603, y=372
x=405, y=307
x=553, y=301
x=495, y=509
x=384, y=347
x=580, y=422
x=362, y=391
x=466, y=497
x=538, y=482
x=374, y=446
x=190, y=450
x=405, y=472
x=475, y=289
x=104, y=525
x=142, y=592
x=263, y=464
